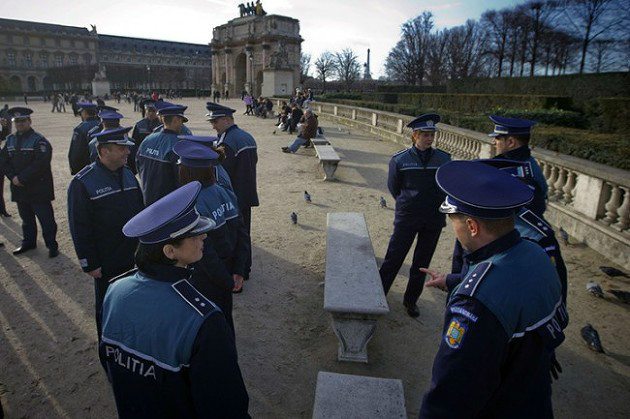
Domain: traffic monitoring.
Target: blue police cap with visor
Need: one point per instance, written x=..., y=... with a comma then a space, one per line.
x=217, y=111
x=81, y=106
x=107, y=108
x=114, y=136
x=194, y=154
x=19, y=112
x=107, y=115
x=171, y=217
x=176, y=110
x=160, y=104
x=480, y=190
x=425, y=122
x=508, y=126
x=207, y=140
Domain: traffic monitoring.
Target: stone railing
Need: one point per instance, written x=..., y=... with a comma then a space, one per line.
x=590, y=201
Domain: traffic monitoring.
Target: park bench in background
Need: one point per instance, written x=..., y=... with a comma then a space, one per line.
x=328, y=159
x=342, y=396
x=353, y=293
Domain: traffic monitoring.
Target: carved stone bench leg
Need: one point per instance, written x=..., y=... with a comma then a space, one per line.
x=354, y=335
x=329, y=169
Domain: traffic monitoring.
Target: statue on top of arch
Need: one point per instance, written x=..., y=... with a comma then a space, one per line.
x=251, y=9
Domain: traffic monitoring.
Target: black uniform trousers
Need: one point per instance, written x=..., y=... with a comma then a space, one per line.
x=3, y=206
x=246, y=212
x=44, y=213
x=400, y=243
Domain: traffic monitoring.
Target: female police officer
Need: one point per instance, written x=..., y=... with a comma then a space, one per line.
x=168, y=350
x=220, y=271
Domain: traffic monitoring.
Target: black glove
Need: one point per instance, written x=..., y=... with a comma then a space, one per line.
x=556, y=368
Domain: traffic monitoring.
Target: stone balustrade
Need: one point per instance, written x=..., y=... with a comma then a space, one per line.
x=590, y=201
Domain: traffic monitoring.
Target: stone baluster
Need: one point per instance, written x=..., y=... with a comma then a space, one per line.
x=569, y=187
x=624, y=211
x=546, y=169
x=562, y=178
x=551, y=182
x=613, y=204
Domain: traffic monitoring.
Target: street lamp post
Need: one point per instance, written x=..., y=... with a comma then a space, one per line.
x=251, y=73
x=149, y=77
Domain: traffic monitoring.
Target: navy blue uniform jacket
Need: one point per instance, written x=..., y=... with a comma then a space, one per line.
x=241, y=157
x=100, y=202
x=501, y=325
x=141, y=130
x=79, y=154
x=412, y=183
x=157, y=165
x=168, y=350
x=28, y=156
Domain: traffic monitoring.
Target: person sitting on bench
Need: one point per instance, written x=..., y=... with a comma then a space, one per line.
x=308, y=131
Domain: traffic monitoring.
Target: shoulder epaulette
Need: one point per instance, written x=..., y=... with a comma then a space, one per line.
x=400, y=152
x=201, y=304
x=121, y=276
x=536, y=222
x=84, y=171
x=473, y=279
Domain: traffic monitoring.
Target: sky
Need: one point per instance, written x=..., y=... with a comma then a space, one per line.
x=325, y=25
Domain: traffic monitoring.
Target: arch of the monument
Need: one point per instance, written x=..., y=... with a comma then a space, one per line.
x=15, y=83
x=240, y=73
x=32, y=84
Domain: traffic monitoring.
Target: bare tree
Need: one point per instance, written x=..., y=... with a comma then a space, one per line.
x=589, y=19
x=436, y=68
x=347, y=66
x=498, y=24
x=305, y=66
x=466, y=50
x=325, y=67
x=406, y=61
x=539, y=15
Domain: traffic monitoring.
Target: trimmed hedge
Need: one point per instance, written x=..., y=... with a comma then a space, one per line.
x=482, y=102
x=608, y=114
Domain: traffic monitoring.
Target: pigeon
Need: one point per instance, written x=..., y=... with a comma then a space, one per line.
x=383, y=203
x=594, y=288
x=564, y=236
x=591, y=337
x=307, y=197
x=294, y=218
x=624, y=296
x=610, y=271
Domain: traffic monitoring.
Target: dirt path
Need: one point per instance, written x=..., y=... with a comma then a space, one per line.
x=48, y=361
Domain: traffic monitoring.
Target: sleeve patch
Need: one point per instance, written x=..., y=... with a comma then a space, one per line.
x=455, y=334
x=473, y=279
x=201, y=304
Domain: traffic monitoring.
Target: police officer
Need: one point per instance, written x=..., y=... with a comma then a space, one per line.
x=109, y=120
x=155, y=161
x=25, y=161
x=142, y=129
x=511, y=141
x=506, y=317
x=168, y=350
x=529, y=225
x=241, y=157
x=161, y=104
x=79, y=154
x=102, y=197
x=221, y=175
x=220, y=271
x=412, y=183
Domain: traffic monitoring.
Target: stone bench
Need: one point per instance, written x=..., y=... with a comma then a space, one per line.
x=353, y=293
x=320, y=141
x=328, y=159
x=342, y=396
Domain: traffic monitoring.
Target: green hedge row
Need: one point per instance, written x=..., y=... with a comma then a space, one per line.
x=557, y=130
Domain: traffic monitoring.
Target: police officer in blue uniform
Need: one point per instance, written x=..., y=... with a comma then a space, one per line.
x=506, y=317
x=79, y=154
x=142, y=129
x=220, y=272
x=412, y=183
x=155, y=161
x=102, y=197
x=168, y=350
x=221, y=175
x=241, y=157
x=161, y=104
x=109, y=120
x=511, y=141
x=25, y=161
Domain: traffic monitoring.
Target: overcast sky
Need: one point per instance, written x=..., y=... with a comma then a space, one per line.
x=325, y=24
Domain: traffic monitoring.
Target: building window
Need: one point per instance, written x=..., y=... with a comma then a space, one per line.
x=10, y=57
x=87, y=58
x=58, y=42
x=128, y=59
x=28, y=59
x=44, y=59
x=59, y=60
x=73, y=60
